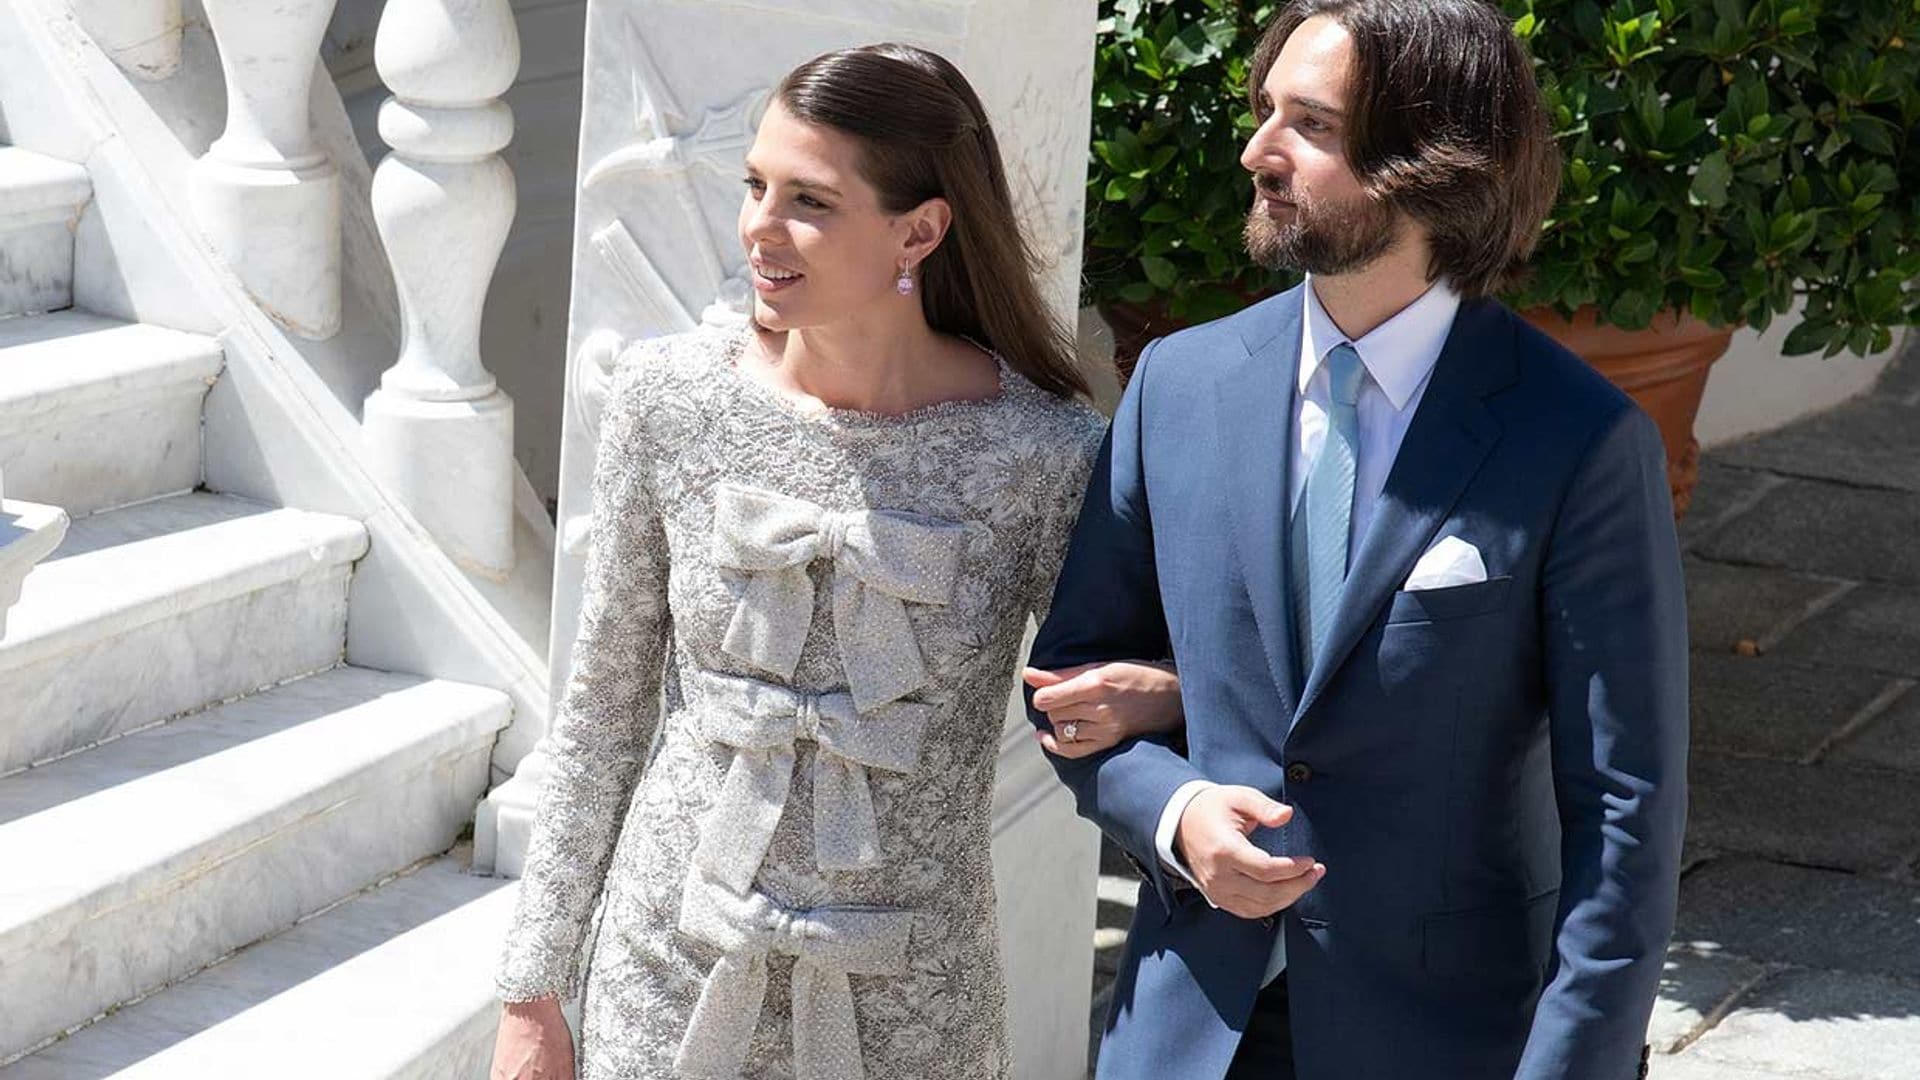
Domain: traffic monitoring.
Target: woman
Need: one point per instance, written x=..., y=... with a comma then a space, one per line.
x=844, y=515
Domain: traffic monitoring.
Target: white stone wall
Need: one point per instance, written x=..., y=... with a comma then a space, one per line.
x=1754, y=388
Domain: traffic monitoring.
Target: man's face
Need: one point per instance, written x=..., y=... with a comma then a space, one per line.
x=1309, y=210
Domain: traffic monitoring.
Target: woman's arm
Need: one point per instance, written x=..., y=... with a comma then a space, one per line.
x=605, y=724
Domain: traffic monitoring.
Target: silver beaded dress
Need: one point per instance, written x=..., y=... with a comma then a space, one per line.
x=798, y=883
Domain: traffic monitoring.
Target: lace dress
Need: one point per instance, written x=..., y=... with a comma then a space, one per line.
x=799, y=883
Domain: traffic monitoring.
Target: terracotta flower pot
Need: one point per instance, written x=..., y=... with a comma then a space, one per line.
x=1664, y=368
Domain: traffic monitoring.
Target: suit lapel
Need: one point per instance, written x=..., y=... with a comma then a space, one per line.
x=1255, y=409
x=1450, y=436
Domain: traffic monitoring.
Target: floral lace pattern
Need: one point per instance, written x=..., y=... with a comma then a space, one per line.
x=988, y=491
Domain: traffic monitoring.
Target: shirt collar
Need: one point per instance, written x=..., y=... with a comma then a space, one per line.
x=1399, y=353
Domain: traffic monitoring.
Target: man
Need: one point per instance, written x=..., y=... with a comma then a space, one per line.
x=1417, y=567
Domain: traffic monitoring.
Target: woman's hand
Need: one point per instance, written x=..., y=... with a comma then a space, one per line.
x=533, y=1044
x=1096, y=706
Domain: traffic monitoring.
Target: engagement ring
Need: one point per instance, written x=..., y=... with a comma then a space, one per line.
x=1070, y=731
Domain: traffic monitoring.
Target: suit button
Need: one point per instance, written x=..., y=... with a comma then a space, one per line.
x=1299, y=773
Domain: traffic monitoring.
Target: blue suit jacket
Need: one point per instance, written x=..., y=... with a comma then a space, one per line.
x=1494, y=774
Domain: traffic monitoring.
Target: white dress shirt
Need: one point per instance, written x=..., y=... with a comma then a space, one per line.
x=1399, y=356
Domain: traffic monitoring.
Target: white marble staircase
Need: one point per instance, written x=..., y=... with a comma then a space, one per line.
x=223, y=852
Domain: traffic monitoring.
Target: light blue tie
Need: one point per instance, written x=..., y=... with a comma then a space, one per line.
x=1321, y=524
x=1323, y=520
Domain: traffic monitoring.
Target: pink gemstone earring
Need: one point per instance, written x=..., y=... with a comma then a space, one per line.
x=905, y=285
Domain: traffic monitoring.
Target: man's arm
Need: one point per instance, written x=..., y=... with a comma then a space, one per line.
x=1615, y=649
x=1106, y=606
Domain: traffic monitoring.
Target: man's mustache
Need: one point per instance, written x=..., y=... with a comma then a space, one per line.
x=1273, y=186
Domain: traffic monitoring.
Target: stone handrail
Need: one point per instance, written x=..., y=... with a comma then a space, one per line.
x=142, y=36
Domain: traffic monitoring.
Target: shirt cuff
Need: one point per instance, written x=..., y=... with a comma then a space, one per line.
x=1170, y=825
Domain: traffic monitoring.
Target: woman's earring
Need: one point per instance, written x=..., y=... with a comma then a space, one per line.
x=905, y=285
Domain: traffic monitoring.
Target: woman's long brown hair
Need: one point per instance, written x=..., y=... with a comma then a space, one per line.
x=925, y=135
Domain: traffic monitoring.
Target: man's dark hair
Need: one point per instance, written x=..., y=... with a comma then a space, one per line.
x=1446, y=123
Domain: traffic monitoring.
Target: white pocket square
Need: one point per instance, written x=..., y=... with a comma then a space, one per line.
x=1446, y=564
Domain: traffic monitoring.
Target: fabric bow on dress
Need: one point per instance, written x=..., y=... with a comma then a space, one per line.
x=882, y=559
x=828, y=944
x=762, y=722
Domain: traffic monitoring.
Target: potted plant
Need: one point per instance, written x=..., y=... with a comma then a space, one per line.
x=1724, y=158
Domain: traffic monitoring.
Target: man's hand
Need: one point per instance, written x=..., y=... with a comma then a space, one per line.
x=1235, y=875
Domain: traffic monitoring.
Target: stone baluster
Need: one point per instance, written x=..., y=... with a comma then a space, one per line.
x=440, y=430
x=266, y=195
x=142, y=36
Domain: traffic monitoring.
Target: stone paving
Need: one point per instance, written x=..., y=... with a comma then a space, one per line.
x=1797, y=953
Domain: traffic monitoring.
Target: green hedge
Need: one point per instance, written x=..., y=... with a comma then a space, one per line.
x=1722, y=156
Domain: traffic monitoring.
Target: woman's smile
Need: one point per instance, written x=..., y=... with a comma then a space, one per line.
x=769, y=277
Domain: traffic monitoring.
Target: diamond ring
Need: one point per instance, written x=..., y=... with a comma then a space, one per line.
x=1070, y=731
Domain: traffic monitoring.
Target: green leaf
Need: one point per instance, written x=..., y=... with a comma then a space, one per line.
x=1639, y=249
x=1190, y=47
x=1634, y=310
x=1810, y=336
x=1620, y=213
x=1159, y=271
x=1146, y=57
x=1703, y=277
x=1711, y=180
x=1872, y=133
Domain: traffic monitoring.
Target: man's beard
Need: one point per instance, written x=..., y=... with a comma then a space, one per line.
x=1324, y=237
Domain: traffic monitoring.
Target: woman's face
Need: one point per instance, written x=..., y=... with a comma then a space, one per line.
x=820, y=246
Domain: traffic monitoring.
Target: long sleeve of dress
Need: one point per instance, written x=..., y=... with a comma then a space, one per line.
x=604, y=726
x=1056, y=529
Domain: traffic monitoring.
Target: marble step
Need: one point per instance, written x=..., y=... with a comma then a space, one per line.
x=155, y=610
x=97, y=413
x=40, y=203
x=138, y=863
x=395, y=984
